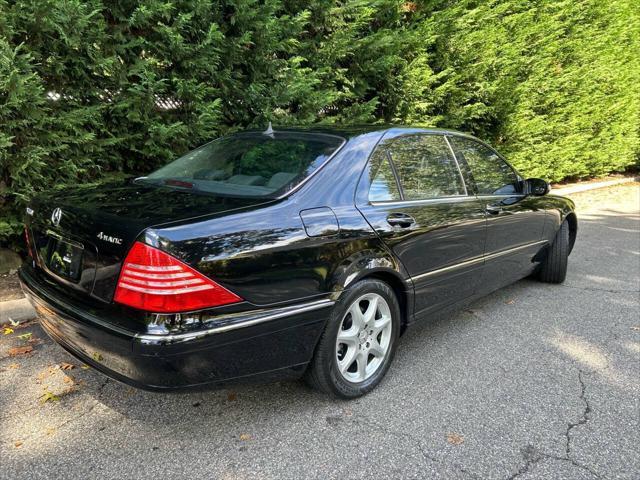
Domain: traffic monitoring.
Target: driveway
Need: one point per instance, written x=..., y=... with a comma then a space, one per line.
x=534, y=381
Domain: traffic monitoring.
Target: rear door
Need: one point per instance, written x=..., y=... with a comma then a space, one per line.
x=418, y=204
x=515, y=222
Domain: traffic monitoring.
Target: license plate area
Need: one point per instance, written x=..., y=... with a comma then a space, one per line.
x=64, y=257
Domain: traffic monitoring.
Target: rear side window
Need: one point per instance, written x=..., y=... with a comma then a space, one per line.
x=491, y=174
x=248, y=164
x=425, y=167
x=384, y=187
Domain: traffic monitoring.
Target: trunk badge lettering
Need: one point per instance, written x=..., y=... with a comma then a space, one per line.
x=56, y=216
x=109, y=238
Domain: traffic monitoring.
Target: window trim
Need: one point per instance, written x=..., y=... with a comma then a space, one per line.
x=428, y=201
x=455, y=159
x=395, y=175
x=403, y=201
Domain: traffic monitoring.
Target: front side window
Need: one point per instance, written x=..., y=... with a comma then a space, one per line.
x=491, y=174
x=248, y=164
x=425, y=167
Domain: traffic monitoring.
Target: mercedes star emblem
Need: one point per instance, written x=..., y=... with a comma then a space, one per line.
x=56, y=216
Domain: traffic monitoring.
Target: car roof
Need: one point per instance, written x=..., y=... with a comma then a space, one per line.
x=351, y=131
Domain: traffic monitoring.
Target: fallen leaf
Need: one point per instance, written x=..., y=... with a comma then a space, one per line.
x=7, y=331
x=84, y=367
x=13, y=324
x=34, y=341
x=15, y=351
x=18, y=443
x=68, y=380
x=25, y=336
x=49, y=397
x=232, y=396
x=67, y=366
x=510, y=302
x=14, y=366
x=51, y=431
x=245, y=436
x=454, y=439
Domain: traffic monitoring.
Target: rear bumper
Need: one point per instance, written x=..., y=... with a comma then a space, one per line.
x=260, y=345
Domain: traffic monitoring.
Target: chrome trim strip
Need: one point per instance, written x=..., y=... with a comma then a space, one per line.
x=427, y=201
x=234, y=322
x=473, y=261
x=466, y=263
x=491, y=256
x=59, y=237
x=501, y=195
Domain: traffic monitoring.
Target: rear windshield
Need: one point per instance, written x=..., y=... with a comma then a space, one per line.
x=248, y=164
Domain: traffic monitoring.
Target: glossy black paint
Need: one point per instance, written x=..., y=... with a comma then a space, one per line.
x=306, y=247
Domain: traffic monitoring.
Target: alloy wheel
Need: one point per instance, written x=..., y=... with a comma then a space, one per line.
x=364, y=338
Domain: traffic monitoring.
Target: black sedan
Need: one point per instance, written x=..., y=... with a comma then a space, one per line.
x=287, y=253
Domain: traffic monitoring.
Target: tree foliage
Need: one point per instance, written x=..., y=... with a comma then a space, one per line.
x=100, y=88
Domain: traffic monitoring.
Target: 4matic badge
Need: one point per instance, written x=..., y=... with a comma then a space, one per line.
x=109, y=238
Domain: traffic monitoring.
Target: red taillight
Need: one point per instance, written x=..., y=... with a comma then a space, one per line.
x=154, y=281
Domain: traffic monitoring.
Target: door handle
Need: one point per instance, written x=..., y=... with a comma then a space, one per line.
x=400, y=220
x=493, y=209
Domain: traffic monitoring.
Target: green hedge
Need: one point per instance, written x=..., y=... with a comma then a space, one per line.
x=99, y=88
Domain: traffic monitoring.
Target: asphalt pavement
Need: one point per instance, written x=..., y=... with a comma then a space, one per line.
x=534, y=381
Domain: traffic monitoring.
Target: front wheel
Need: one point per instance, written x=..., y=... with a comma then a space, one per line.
x=359, y=341
x=554, y=267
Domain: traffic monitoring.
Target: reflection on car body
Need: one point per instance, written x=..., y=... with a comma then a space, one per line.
x=286, y=253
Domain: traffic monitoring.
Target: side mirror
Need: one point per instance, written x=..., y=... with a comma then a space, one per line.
x=536, y=186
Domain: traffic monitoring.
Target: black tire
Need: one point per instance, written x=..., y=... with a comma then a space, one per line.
x=323, y=373
x=554, y=267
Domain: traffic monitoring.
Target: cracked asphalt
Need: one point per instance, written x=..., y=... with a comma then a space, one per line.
x=534, y=381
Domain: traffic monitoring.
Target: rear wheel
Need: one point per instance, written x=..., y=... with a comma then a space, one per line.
x=359, y=341
x=554, y=267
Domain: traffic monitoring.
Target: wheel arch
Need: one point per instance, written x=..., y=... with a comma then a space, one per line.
x=374, y=261
x=399, y=287
x=572, y=220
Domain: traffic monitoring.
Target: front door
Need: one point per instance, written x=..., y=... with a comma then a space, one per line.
x=515, y=222
x=419, y=205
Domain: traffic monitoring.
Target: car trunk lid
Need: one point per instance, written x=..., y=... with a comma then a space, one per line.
x=82, y=235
